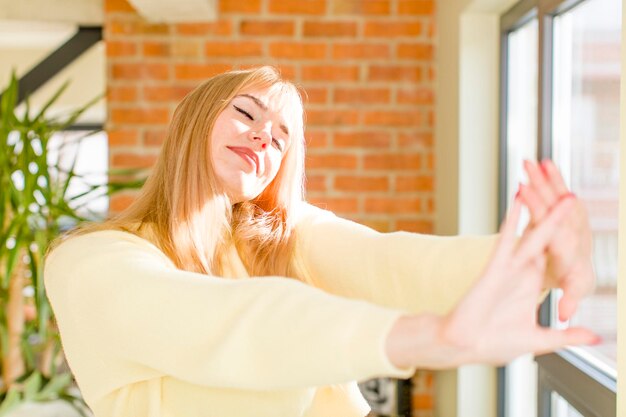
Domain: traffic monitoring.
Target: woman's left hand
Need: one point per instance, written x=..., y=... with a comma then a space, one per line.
x=569, y=260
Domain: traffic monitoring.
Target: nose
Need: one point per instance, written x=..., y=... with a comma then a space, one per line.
x=261, y=137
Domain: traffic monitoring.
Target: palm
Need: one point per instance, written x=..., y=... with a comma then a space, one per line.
x=497, y=320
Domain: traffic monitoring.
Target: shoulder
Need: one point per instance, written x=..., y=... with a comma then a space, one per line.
x=102, y=247
x=307, y=215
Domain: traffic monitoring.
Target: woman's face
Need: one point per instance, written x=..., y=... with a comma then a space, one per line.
x=248, y=142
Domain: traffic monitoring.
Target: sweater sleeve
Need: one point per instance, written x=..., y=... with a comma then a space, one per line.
x=409, y=271
x=259, y=333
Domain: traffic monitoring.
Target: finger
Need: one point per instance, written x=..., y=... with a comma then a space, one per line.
x=536, y=206
x=540, y=183
x=554, y=176
x=578, y=285
x=549, y=340
x=535, y=241
x=568, y=304
x=508, y=230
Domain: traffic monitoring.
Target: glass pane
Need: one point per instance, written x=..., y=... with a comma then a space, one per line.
x=586, y=144
x=92, y=156
x=561, y=408
x=521, y=142
x=521, y=132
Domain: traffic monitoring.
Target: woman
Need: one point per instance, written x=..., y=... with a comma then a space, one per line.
x=180, y=305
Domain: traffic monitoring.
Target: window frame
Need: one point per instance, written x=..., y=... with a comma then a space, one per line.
x=583, y=385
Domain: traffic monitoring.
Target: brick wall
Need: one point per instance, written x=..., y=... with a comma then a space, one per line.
x=368, y=69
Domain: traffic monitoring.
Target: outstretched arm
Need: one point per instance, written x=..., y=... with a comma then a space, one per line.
x=497, y=320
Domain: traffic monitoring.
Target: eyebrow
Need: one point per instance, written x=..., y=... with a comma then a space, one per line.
x=264, y=108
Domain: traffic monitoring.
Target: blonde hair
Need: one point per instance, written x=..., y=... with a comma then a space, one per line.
x=187, y=214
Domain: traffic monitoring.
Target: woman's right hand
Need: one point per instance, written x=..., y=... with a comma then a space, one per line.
x=496, y=321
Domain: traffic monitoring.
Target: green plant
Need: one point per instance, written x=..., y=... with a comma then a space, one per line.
x=35, y=207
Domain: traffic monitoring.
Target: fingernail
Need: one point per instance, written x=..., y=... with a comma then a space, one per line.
x=543, y=167
x=597, y=341
x=519, y=191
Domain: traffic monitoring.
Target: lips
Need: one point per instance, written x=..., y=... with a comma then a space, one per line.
x=248, y=155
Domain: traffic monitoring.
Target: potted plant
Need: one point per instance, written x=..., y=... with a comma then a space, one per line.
x=35, y=207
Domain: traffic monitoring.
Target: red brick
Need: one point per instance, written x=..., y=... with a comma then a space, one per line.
x=361, y=183
x=336, y=204
x=316, y=28
x=117, y=6
x=394, y=73
x=393, y=205
x=316, y=183
x=133, y=160
x=362, y=95
x=154, y=28
x=140, y=71
x=154, y=137
x=331, y=161
x=168, y=93
x=122, y=93
x=199, y=71
x=120, y=202
x=232, y=49
x=415, y=139
x=361, y=7
x=430, y=161
x=117, y=27
x=298, y=50
x=360, y=51
x=424, y=227
x=315, y=95
x=394, y=118
x=121, y=137
x=416, y=51
x=311, y=7
x=156, y=49
x=417, y=7
x=135, y=26
x=332, y=117
x=414, y=183
x=221, y=28
x=362, y=139
x=330, y=73
x=267, y=28
x=139, y=116
x=240, y=6
x=380, y=225
x=316, y=139
x=186, y=48
x=420, y=96
x=386, y=29
x=120, y=48
x=422, y=401
x=430, y=205
x=393, y=161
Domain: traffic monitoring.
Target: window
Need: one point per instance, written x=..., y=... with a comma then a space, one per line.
x=560, y=82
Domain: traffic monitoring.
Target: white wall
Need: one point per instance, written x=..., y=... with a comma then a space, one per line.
x=25, y=43
x=621, y=285
x=466, y=153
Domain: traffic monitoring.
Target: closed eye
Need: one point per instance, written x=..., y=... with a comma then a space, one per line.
x=245, y=113
x=277, y=144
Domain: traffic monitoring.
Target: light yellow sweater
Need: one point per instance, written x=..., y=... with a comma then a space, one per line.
x=145, y=339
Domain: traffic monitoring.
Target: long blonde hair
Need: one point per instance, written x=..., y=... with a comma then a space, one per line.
x=182, y=208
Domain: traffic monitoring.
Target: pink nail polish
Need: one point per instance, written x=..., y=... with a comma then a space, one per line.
x=519, y=191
